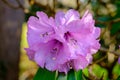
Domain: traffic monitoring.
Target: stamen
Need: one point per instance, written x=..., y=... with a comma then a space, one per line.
x=44, y=34
x=74, y=41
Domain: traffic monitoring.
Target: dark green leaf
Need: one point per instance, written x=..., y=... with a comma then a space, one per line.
x=118, y=78
x=115, y=28
x=71, y=75
x=79, y=75
x=43, y=74
x=103, y=18
x=100, y=25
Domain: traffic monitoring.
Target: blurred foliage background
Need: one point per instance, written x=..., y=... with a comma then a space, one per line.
x=107, y=16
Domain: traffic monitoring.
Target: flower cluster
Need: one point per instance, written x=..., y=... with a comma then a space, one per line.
x=119, y=57
x=64, y=42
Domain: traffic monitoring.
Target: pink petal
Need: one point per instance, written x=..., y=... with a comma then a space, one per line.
x=71, y=15
x=119, y=60
x=39, y=30
x=42, y=16
x=78, y=27
x=64, y=19
x=80, y=63
x=59, y=18
x=63, y=68
x=55, y=60
x=96, y=32
x=40, y=58
x=30, y=53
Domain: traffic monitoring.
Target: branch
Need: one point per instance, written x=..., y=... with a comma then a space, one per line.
x=78, y=5
x=45, y=7
x=106, y=50
x=20, y=5
x=103, y=58
x=54, y=3
x=111, y=21
x=10, y=5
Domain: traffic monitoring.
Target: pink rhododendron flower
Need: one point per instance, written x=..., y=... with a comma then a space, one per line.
x=64, y=42
x=119, y=60
x=119, y=57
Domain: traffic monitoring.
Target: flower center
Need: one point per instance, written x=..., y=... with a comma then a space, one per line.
x=55, y=50
x=68, y=37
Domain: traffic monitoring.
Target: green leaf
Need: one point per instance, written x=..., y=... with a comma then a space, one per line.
x=115, y=28
x=118, y=78
x=79, y=75
x=43, y=74
x=100, y=25
x=103, y=18
x=71, y=75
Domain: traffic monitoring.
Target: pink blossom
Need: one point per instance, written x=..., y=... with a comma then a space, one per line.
x=64, y=42
x=119, y=57
x=119, y=60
